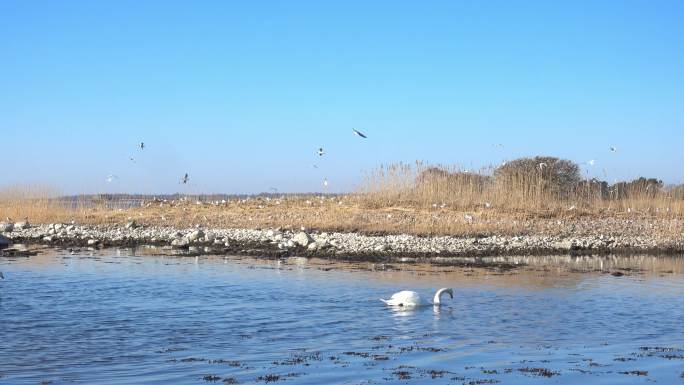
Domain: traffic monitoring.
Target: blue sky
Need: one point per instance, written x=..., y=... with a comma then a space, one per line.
x=241, y=94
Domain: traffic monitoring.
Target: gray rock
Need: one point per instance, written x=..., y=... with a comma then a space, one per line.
x=180, y=242
x=302, y=239
x=194, y=235
x=4, y=241
x=6, y=227
x=22, y=225
x=382, y=247
x=49, y=238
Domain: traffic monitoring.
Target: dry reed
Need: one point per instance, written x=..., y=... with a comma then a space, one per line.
x=400, y=198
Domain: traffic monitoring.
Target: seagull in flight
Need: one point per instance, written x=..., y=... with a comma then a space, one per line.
x=142, y=145
x=132, y=159
x=359, y=133
x=613, y=149
x=185, y=178
x=591, y=162
x=320, y=151
x=111, y=178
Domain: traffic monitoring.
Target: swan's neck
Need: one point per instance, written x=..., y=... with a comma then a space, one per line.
x=438, y=295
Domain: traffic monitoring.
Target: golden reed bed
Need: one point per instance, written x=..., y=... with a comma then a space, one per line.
x=520, y=197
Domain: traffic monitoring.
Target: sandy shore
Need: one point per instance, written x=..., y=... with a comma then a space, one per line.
x=570, y=237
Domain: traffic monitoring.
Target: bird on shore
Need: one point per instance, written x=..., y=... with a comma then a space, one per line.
x=412, y=299
x=320, y=151
x=542, y=165
x=142, y=145
x=359, y=133
x=185, y=178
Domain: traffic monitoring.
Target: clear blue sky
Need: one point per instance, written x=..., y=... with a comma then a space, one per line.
x=241, y=94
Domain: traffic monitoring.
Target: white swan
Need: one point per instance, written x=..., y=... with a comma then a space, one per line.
x=408, y=298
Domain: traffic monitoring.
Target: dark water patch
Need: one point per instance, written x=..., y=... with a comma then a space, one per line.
x=542, y=372
x=636, y=372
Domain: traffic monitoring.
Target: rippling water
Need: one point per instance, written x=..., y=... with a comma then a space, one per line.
x=114, y=317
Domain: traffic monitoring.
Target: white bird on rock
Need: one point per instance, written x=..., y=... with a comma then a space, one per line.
x=409, y=298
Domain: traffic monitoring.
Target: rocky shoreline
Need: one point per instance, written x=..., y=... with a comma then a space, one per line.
x=277, y=243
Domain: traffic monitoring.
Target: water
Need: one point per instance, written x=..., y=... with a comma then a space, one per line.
x=114, y=317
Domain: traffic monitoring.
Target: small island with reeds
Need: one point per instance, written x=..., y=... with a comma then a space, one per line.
x=535, y=205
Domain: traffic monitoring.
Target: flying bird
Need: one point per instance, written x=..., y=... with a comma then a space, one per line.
x=613, y=149
x=132, y=159
x=320, y=151
x=185, y=178
x=591, y=162
x=359, y=133
x=325, y=182
x=111, y=178
x=1, y=276
x=142, y=145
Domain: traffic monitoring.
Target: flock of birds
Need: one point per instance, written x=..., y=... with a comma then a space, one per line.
x=320, y=152
x=112, y=177
x=186, y=178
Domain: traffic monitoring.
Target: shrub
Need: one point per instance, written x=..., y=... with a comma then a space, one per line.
x=539, y=176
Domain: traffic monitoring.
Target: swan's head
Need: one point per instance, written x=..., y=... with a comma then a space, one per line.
x=439, y=293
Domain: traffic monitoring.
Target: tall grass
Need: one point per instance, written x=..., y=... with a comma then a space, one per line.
x=39, y=203
x=415, y=198
x=530, y=189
